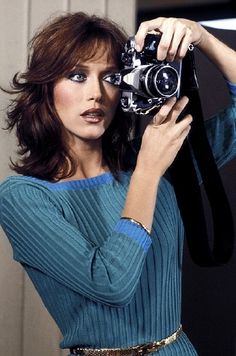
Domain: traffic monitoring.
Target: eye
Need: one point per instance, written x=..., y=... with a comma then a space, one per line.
x=113, y=78
x=77, y=77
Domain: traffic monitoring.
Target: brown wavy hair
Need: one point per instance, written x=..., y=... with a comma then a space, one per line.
x=53, y=53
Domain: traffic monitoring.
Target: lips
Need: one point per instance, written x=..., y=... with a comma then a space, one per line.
x=93, y=115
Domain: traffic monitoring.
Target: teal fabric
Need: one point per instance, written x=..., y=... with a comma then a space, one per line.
x=104, y=280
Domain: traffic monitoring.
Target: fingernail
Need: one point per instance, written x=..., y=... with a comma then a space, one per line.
x=138, y=48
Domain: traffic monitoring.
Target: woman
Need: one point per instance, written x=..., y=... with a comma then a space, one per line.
x=95, y=225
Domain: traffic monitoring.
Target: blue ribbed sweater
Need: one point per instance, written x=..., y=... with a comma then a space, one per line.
x=104, y=280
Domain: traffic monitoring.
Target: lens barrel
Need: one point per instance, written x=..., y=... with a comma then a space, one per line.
x=159, y=80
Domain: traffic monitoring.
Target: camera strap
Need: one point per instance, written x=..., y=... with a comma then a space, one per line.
x=210, y=239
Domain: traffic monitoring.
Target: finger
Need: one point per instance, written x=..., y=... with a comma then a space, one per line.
x=183, y=127
x=183, y=48
x=182, y=138
x=183, y=135
x=177, y=109
x=164, y=111
x=168, y=29
x=177, y=43
x=144, y=28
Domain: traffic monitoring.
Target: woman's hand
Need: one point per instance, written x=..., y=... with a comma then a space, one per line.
x=163, y=138
x=161, y=142
x=176, y=36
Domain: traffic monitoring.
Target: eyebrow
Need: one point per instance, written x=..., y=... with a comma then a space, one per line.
x=85, y=67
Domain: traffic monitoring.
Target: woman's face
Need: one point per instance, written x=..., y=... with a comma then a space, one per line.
x=86, y=100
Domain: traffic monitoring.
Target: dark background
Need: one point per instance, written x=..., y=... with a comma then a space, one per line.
x=209, y=294
x=206, y=11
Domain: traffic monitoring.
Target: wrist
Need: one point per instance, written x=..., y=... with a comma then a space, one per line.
x=147, y=175
x=141, y=198
x=203, y=42
x=137, y=223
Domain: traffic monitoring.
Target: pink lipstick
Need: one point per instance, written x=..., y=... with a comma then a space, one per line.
x=93, y=115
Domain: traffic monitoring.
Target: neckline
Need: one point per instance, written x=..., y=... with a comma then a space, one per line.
x=102, y=179
x=90, y=182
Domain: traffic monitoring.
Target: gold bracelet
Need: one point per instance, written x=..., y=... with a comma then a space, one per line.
x=137, y=223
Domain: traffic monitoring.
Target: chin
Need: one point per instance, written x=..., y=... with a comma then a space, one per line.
x=88, y=135
x=92, y=137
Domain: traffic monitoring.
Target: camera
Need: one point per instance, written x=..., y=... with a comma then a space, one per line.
x=146, y=83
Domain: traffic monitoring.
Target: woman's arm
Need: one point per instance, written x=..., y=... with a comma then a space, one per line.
x=161, y=142
x=33, y=218
x=160, y=145
x=220, y=54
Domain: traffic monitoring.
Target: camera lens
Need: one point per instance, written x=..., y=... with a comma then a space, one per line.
x=159, y=80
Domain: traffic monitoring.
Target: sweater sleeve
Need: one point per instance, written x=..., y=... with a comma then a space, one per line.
x=42, y=238
x=221, y=131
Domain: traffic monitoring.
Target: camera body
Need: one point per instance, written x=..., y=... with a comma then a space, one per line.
x=145, y=82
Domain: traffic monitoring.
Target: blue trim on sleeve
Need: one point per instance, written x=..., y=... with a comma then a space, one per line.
x=135, y=232
x=232, y=87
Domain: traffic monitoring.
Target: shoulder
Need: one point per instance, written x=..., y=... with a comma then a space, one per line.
x=227, y=115
x=23, y=190
x=27, y=196
x=18, y=183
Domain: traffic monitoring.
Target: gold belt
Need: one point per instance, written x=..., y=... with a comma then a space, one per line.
x=138, y=350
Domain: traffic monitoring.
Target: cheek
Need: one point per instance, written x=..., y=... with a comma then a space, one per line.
x=63, y=97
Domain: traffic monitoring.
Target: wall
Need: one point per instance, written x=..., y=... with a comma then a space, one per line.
x=25, y=327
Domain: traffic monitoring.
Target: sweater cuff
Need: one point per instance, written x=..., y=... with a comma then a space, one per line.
x=232, y=87
x=135, y=232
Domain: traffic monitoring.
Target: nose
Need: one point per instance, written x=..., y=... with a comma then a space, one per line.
x=95, y=90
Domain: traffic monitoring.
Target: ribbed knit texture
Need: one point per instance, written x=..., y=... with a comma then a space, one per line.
x=104, y=281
